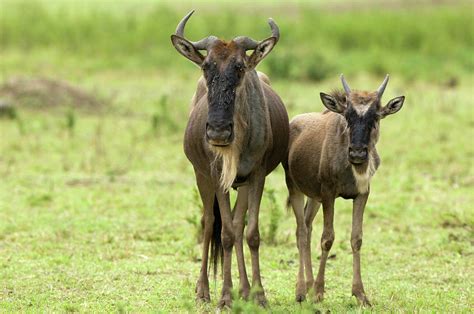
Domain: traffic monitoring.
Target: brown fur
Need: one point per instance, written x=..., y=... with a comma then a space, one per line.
x=318, y=168
x=260, y=143
x=237, y=133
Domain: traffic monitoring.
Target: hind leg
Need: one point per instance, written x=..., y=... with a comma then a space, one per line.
x=327, y=239
x=206, y=191
x=310, y=211
x=296, y=199
x=240, y=209
x=297, y=202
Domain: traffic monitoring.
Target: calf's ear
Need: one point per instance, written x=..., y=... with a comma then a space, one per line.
x=187, y=49
x=393, y=106
x=332, y=103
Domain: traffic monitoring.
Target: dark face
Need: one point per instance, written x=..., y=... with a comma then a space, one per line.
x=362, y=111
x=224, y=69
x=363, y=124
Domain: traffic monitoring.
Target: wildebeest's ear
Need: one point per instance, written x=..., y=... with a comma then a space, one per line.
x=332, y=103
x=262, y=50
x=187, y=49
x=392, y=106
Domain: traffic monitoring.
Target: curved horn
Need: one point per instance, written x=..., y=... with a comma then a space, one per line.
x=345, y=85
x=202, y=44
x=182, y=24
x=275, y=29
x=381, y=88
x=250, y=44
x=246, y=42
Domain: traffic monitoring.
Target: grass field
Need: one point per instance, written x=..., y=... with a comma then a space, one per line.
x=98, y=209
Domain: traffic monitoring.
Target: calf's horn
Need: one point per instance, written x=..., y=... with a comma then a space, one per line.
x=347, y=89
x=381, y=89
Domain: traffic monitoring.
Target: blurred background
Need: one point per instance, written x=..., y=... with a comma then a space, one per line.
x=98, y=210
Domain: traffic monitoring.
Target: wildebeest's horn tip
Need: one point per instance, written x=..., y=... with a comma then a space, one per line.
x=347, y=89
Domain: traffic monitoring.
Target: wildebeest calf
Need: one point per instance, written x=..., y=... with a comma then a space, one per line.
x=332, y=154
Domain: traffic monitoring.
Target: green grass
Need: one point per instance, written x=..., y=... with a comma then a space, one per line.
x=410, y=41
x=99, y=213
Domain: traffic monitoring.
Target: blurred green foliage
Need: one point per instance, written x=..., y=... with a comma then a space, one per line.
x=433, y=42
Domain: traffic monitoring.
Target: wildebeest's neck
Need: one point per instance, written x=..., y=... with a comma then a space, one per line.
x=249, y=95
x=254, y=123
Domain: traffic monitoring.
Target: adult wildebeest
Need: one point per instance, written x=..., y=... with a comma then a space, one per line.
x=237, y=133
x=333, y=154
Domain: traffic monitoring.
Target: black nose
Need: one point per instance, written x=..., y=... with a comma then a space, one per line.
x=219, y=134
x=358, y=154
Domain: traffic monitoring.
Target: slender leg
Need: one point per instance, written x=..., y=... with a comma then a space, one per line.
x=327, y=240
x=227, y=235
x=297, y=202
x=253, y=235
x=206, y=191
x=240, y=210
x=311, y=209
x=356, y=244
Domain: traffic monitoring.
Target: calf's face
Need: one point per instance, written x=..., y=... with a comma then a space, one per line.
x=362, y=111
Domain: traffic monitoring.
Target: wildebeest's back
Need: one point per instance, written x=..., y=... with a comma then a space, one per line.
x=279, y=126
x=306, y=145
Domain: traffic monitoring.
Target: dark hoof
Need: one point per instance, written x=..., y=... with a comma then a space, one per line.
x=318, y=292
x=362, y=299
x=300, y=298
x=260, y=299
x=244, y=293
x=300, y=292
x=203, y=298
x=202, y=293
x=318, y=297
x=225, y=302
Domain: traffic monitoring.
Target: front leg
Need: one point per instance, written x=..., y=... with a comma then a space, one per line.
x=356, y=244
x=240, y=210
x=227, y=240
x=206, y=190
x=253, y=236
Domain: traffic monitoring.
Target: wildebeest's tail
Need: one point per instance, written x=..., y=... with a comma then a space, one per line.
x=217, y=251
x=288, y=203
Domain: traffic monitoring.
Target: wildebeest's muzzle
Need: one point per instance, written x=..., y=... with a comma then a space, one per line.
x=358, y=154
x=219, y=134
